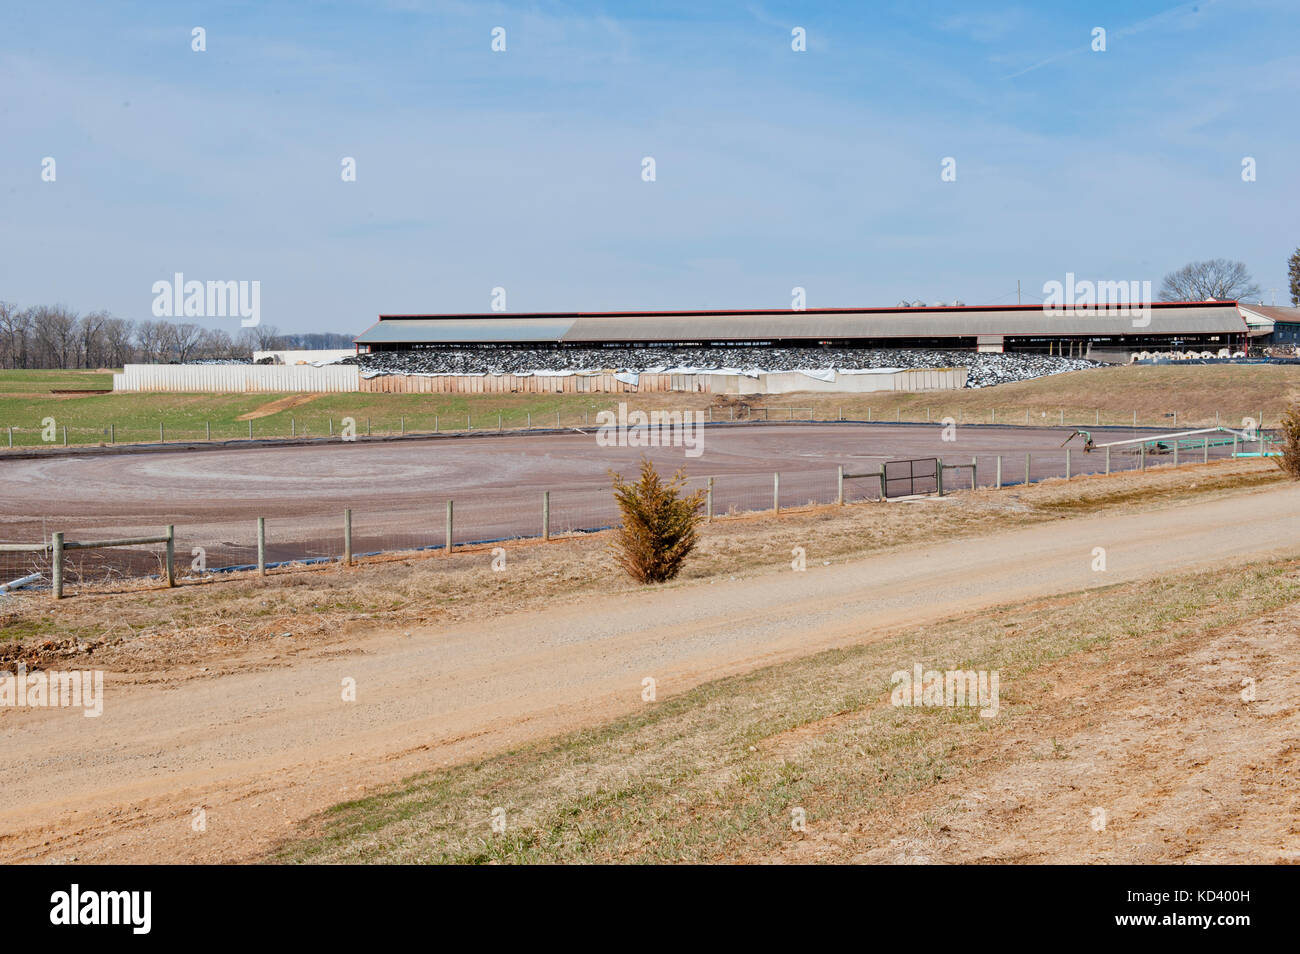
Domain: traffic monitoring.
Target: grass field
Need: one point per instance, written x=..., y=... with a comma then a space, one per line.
x=1082, y=398
x=718, y=773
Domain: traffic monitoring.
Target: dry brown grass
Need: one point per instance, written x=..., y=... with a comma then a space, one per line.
x=716, y=773
x=143, y=626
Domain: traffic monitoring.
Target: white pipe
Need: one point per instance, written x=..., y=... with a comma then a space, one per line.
x=23, y=581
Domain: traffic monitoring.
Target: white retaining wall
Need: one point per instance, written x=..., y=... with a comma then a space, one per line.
x=236, y=378
x=252, y=378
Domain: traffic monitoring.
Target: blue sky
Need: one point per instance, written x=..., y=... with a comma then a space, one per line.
x=522, y=169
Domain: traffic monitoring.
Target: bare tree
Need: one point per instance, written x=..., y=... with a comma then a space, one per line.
x=1215, y=280
x=90, y=340
x=179, y=342
x=15, y=335
x=1293, y=276
x=55, y=331
x=149, y=337
x=268, y=337
x=118, y=347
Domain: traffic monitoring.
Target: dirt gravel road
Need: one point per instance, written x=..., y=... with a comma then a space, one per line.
x=269, y=741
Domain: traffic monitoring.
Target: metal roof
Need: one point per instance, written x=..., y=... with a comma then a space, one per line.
x=465, y=329
x=820, y=324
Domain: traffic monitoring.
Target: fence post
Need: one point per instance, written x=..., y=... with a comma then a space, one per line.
x=1063, y=417
x=883, y=497
x=530, y=420
x=250, y=428
x=403, y=420
x=974, y=473
x=868, y=415
x=367, y=427
x=839, y=485
x=709, y=506
x=1135, y=418
x=112, y=435
x=1027, y=470
x=546, y=515
x=162, y=434
x=65, y=434
x=1067, y=463
x=1205, y=450
x=1096, y=420
x=347, y=536
x=171, y=555
x=1026, y=417
x=997, y=480
x=1175, y=418
x=11, y=436
x=331, y=427
x=450, y=527
x=435, y=423
x=1175, y=452
x=56, y=565
x=1108, y=460
x=1234, y=445
x=938, y=474
x=898, y=414
x=498, y=422
x=776, y=493
x=261, y=546
x=1142, y=456
x=841, y=417
x=207, y=427
x=557, y=420
x=293, y=427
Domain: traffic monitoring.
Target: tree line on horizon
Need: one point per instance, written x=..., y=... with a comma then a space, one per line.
x=53, y=336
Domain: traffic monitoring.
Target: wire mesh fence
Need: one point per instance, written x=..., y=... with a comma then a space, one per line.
x=214, y=545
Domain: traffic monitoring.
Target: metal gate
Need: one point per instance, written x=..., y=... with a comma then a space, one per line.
x=906, y=477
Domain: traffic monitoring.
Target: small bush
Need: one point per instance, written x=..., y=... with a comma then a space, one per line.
x=660, y=526
x=1290, y=443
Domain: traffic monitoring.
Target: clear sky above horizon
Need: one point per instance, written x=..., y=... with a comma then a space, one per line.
x=523, y=168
